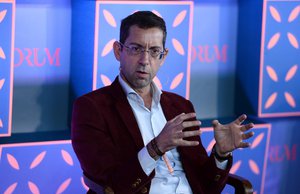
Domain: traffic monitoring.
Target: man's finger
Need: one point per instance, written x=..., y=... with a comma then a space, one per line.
x=188, y=143
x=240, y=119
x=187, y=124
x=176, y=118
x=191, y=133
x=244, y=145
x=247, y=127
x=188, y=116
x=184, y=116
x=215, y=123
x=247, y=135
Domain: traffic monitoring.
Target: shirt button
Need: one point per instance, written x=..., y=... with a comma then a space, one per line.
x=173, y=164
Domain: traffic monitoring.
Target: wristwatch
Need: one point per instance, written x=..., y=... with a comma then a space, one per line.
x=218, y=157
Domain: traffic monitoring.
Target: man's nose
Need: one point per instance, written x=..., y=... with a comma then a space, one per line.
x=145, y=57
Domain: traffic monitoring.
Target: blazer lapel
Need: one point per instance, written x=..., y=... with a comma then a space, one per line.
x=126, y=113
x=169, y=110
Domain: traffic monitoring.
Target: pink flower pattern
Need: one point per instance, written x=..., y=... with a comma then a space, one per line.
x=284, y=22
x=276, y=16
x=2, y=56
x=288, y=97
x=2, y=16
x=14, y=162
x=110, y=19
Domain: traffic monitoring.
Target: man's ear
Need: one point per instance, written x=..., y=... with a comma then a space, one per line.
x=164, y=57
x=166, y=52
x=117, y=50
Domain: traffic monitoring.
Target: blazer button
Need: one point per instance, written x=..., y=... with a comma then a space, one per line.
x=133, y=185
x=144, y=190
x=136, y=183
x=217, y=177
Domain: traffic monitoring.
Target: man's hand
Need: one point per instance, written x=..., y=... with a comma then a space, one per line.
x=172, y=134
x=230, y=136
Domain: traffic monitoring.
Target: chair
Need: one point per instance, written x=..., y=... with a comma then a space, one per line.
x=240, y=185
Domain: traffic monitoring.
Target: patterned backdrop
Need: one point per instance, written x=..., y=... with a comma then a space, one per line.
x=7, y=12
x=233, y=56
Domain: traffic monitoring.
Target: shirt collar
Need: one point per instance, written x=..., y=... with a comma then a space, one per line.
x=156, y=92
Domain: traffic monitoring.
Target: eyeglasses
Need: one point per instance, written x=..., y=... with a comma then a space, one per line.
x=137, y=50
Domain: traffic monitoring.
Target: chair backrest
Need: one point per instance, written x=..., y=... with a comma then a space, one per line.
x=240, y=184
x=92, y=185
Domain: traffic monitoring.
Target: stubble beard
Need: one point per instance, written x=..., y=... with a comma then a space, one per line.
x=139, y=83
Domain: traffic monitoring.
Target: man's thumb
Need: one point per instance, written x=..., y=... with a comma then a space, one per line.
x=215, y=123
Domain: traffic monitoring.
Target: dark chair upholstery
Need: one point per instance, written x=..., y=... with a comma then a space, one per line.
x=240, y=185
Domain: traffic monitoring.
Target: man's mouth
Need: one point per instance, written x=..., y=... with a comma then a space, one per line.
x=142, y=74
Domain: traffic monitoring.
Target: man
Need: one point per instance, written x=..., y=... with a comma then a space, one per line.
x=131, y=137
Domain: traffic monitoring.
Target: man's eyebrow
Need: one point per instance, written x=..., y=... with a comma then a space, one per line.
x=135, y=44
x=139, y=45
x=154, y=47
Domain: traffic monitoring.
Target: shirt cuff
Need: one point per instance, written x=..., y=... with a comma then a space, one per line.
x=221, y=165
x=146, y=161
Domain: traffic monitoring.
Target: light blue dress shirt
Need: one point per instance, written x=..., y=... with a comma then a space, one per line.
x=150, y=123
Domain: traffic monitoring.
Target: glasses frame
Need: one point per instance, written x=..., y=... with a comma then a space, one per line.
x=130, y=52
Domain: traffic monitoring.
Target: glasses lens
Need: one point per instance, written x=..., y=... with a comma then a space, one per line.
x=137, y=50
x=155, y=52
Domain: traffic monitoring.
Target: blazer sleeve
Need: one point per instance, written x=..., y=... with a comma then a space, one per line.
x=99, y=154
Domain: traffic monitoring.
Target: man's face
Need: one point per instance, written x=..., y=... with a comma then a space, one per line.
x=139, y=70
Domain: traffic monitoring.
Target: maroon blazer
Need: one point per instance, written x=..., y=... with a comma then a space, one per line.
x=106, y=139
